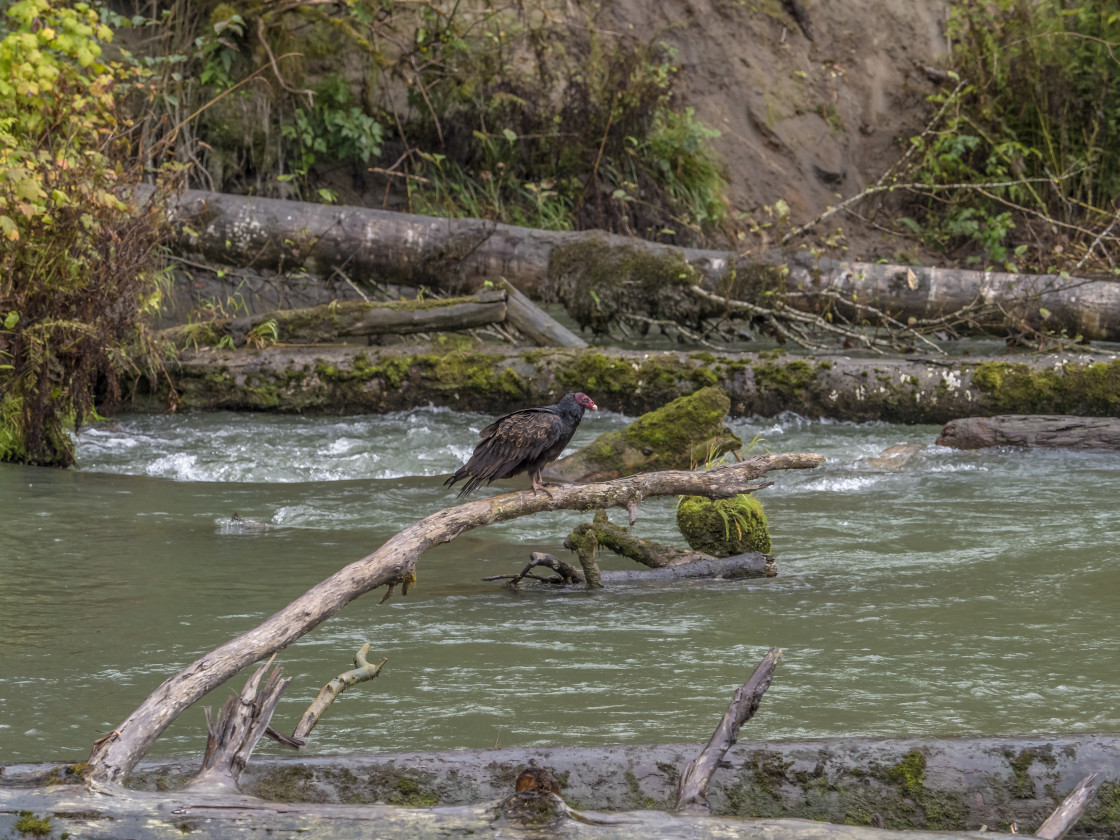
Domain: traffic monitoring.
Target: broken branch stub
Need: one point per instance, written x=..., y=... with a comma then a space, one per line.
x=692, y=786
x=241, y=723
x=395, y=562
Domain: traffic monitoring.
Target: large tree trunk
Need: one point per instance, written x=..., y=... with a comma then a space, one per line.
x=959, y=784
x=377, y=380
x=630, y=276
x=114, y=756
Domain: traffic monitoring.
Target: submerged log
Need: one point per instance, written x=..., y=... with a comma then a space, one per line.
x=910, y=390
x=114, y=756
x=634, y=276
x=1038, y=430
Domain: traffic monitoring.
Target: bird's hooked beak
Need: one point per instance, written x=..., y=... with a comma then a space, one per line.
x=591, y=404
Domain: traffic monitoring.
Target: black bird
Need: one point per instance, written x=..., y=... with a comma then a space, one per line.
x=523, y=441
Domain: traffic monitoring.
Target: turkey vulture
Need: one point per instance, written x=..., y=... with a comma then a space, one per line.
x=523, y=441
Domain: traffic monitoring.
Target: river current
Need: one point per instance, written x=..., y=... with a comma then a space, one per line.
x=965, y=593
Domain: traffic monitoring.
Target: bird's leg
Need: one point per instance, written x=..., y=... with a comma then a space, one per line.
x=538, y=483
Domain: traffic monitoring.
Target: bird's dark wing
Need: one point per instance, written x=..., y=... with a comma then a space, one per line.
x=509, y=445
x=493, y=427
x=514, y=441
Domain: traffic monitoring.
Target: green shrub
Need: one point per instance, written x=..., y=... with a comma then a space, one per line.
x=77, y=262
x=1034, y=123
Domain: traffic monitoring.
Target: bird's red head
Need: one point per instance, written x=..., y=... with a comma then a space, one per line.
x=586, y=401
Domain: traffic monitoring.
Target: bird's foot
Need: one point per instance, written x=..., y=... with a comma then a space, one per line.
x=538, y=486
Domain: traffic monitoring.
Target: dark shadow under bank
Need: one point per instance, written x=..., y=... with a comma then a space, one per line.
x=949, y=785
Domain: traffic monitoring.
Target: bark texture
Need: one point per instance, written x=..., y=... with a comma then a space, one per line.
x=395, y=563
x=628, y=275
x=960, y=784
x=1055, y=432
x=907, y=390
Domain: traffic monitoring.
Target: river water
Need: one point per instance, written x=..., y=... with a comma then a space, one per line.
x=966, y=593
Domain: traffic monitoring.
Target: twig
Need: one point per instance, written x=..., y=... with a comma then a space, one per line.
x=276, y=68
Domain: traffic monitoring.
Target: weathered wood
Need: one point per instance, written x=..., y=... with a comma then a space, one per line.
x=702, y=566
x=329, y=322
x=1035, y=430
x=951, y=784
x=171, y=816
x=455, y=254
x=363, y=670
x=738, y=566
x=692, y=787
x=395, y=562
x=241, y=723
x=907, y=390
x=1070, y=811
x=535, y=323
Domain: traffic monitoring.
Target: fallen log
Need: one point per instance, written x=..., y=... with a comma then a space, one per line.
x=962, y=784
x=378, y=380
x=114, y=756
x=1038, y=430
x=737, y=567
x=335, y=321
x=628, y=276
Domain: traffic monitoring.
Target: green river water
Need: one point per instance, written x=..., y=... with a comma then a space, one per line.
x=967, y=593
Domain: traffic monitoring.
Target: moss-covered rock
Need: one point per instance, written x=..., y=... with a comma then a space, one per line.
x=688, y=431
x=724, y=527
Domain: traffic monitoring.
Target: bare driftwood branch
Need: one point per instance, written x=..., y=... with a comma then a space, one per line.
x=692, y=787
x=1070, y=811
x=363, y=670
x=395, y=562
x=241, y=723
x=565, y=572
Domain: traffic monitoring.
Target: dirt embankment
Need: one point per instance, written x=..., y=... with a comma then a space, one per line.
x=807, y=121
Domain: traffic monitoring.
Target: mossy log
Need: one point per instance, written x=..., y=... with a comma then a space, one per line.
x=334, y=322
x=628, y=276
x=1049, y=431
x=958, y=784
x=684, y=433
x=377, y=380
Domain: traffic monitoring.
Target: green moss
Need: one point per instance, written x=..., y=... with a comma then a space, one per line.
x=289, y=784
x=28, y=823
x=1023, y=784
x=909, y=774
x=680, y=435
x=724, y=527
x=410, y=794
x=788, y=379
x=1103, y=814
x=599, y=278
x=1070, y=388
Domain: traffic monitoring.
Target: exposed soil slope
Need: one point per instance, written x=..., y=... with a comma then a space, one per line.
x=804, y=121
